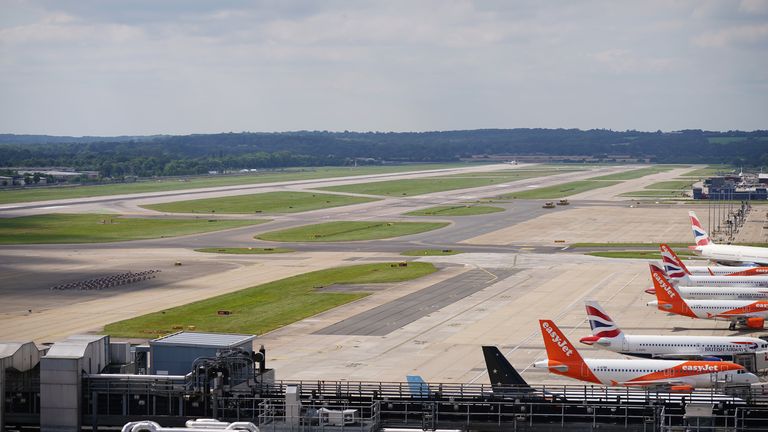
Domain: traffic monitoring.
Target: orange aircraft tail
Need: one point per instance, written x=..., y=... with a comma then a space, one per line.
x=562, y=355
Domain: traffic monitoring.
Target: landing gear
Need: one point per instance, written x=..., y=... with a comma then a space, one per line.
x=732, y=326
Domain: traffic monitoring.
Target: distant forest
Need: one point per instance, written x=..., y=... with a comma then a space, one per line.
x=197, y=154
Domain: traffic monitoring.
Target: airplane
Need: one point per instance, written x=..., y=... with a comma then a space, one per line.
x=504, y=378
x=418, y=388
x=607, y=335
x=719, y=293
x=675, y=267
x=724, y=254
x=749, y=313
x=674, y=375
x=677, y=271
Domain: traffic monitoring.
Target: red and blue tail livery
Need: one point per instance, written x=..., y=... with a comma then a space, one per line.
x=700, y=236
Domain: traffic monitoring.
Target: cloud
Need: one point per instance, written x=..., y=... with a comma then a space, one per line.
x=734, y=36
x=624, y=61
x=757, y=7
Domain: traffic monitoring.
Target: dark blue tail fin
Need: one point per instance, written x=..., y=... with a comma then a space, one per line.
x=500, y=371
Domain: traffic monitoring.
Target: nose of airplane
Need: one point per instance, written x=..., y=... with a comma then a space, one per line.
x=750, y=378
x=653, y=303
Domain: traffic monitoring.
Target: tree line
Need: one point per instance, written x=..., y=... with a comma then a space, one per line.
x=197, y=154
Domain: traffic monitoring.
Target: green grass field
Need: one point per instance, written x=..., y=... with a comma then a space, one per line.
x=710, y=170
x=100, y=228
x=637, y=173
x=430, y=252
x=350, y=231
x=559, y=191
x=263, y=308
x=461, y=210
x=246, y=251
x=160, y=185
x=269, y=202
x=411, y=187
x=675, y=246
x=671, y=185
x=655, y=194
x=638, y=254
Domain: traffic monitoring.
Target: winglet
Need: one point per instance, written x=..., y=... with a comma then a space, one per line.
x=699, y=235
x=669, y=299
x=673, y=265
x=562, y=355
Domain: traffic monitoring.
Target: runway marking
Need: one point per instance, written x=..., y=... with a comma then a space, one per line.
x=53, y=207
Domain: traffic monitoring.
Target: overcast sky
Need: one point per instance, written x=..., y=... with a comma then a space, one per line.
x=100, y=67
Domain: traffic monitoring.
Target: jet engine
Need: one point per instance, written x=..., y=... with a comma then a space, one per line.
x=755, y=322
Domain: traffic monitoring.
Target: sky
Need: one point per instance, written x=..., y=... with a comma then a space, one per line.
x=140, y=67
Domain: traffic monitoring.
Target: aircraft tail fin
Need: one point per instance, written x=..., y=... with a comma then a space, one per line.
x=673, y=265
x=562, y=357
x=500, y=371
x=699, y=235
x=601, y=324
x=668, y=298
x=417, y=386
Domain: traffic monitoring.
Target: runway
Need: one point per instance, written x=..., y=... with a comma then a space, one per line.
x=432, y=326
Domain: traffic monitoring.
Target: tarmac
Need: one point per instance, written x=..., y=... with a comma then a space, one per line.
x=433, y=326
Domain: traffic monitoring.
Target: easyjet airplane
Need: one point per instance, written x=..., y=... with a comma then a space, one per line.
x=749, y=313
x=607, y=335
x=677, y=271
x=719, y=293
x=674, y=375
x=727, y=254
x=675, y=267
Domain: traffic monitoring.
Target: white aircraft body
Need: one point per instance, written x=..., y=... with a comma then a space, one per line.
x=749, y=313
x=677, y=271
x=607, y=335
x=674, y=265
x=675, y=375
x=726, y=254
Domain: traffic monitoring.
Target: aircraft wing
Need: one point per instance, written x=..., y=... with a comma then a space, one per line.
x=658, y=385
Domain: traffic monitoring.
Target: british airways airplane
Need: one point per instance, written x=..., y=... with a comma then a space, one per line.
x=674, y=266
x=674, y=375
x=679, y=273
x=607, y=335
x=726, y=254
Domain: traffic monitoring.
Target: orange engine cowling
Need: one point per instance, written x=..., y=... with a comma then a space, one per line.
x=755, y=322
x=681, y=389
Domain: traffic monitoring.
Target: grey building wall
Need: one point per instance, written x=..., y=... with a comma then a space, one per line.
x=177, y=360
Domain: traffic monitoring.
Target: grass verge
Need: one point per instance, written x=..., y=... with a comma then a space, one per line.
x=67, y=192
x=430, y=252
x=350, y=231
x=245, y=251
x=270, y=202
x=266, y=307
x=656, y=194
x=461, y=210
x=410, y=187
x=100, y=228
x=683, y=246
x=559, y=191
x=671, y=185
x=710, y=170
x=638, y=254
x=637, y=173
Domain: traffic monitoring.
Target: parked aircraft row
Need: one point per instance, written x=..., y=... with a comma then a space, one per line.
x=677, y=363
